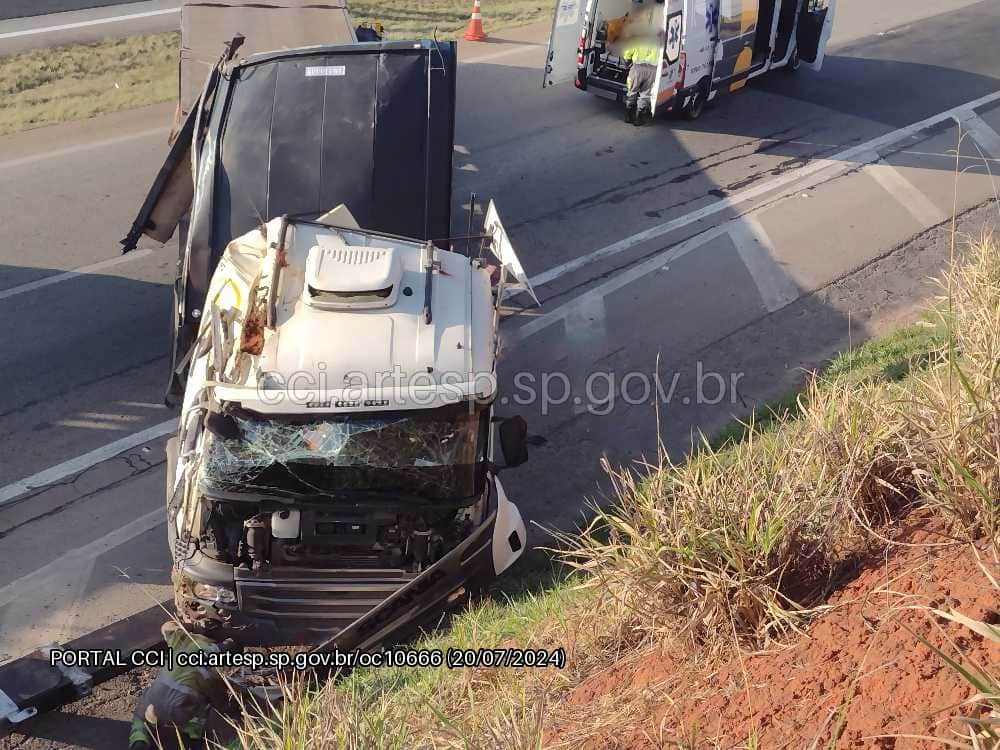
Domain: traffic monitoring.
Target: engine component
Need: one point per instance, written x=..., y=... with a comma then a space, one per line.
x=285, y=524
x=258, y=540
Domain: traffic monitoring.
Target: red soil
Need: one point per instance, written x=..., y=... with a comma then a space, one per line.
x=860, y=668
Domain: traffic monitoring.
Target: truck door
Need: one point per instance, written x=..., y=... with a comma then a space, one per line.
x=671, y=27
x=813, y=31
x=568, y=33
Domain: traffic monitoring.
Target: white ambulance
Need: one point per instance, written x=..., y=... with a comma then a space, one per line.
x=708, y=47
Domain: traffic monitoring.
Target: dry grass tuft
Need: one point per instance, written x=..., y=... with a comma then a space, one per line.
x=48, y=86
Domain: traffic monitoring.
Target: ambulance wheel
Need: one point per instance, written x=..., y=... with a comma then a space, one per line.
x=794, y=61
x=695, y=104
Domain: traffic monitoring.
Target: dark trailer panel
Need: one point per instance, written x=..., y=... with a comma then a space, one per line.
x=303, y=133
x=369, y=125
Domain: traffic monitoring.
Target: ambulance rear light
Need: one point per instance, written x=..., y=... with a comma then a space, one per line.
x=580, y=45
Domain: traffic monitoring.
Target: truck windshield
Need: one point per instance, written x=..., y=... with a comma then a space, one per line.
x=431, y=455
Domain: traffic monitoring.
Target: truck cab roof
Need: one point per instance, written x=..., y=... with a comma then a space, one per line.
x=360, y=321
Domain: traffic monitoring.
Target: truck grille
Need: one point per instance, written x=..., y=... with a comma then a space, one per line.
x=319, y=601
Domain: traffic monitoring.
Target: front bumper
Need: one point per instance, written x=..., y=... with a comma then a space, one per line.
x=357, y=607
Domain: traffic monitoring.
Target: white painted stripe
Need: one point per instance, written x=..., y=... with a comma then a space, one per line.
x=587, y=341
x=76, y=558
x=86, y=24
x=83, y=147
x=74, y=591
x=81, y=463
x=908, y=195
x=843, y=161
x=982, y=133
x=755, y=248
x=612, y=285
x=103, y=265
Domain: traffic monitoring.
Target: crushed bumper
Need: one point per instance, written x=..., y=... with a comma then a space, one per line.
x=312, y=606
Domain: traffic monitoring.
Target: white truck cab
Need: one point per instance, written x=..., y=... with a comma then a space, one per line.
x=707, y=47
x=334, y=465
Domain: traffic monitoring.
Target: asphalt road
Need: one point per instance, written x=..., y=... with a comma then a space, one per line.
x=24, y=8
x=57, y=22
x=83, y=358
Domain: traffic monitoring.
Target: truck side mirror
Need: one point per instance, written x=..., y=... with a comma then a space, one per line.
x=514, y=441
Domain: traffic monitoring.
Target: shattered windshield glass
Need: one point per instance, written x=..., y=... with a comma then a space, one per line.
x=429, y=455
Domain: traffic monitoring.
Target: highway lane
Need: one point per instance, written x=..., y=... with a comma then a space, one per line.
x=81, y=358
x=96, y=21
x=25, y=8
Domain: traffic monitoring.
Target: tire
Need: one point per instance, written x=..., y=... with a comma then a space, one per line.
x=696, y=104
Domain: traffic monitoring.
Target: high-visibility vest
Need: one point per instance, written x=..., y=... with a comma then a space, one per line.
x=642, y=53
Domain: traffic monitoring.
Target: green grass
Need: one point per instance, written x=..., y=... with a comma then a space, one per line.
x=888, y=358
x=49, y=86
x=75, y=82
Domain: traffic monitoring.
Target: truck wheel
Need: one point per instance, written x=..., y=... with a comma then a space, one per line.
x=696, y=103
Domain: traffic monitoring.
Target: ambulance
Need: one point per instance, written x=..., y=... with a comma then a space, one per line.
x=708, y=48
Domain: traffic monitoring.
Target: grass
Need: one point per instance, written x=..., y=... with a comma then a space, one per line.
x=49, y=86
x=75, y=82
x=737, y=545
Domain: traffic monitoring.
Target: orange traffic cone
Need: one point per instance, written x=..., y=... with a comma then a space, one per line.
x=474, y=31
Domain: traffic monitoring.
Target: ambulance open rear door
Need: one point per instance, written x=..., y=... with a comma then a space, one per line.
x=668, y=73
x=813, y=31
x=567, y=28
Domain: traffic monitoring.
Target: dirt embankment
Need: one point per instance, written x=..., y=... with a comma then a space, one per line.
x=860, y=677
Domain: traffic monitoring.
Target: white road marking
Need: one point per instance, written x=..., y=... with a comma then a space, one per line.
x=908, y=195
x=103, y=265
x=82, y=463
x=755, y=248
x=86, y=24
x=74, y=558
x=70, y=150
x=587, y=341
x=981, y=133
x=845, y=160
x=91, y=424
x=74, y=593
x=563, y=312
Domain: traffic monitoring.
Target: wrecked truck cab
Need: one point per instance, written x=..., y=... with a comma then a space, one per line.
x=334, y=467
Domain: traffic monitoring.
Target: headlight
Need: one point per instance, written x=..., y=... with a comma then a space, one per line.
x=214, y=593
